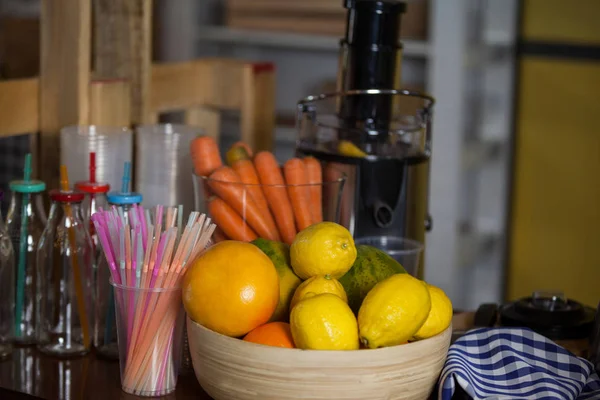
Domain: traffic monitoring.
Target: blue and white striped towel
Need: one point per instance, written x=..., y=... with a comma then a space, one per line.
x=516, y=364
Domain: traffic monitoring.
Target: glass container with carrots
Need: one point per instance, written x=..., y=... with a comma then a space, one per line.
x=252, y=195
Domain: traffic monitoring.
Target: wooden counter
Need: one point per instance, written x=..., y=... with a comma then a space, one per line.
x=27, y=374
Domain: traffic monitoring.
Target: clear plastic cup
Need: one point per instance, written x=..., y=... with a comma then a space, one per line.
x=150, y=334
x=406, y=251
x=163, y=164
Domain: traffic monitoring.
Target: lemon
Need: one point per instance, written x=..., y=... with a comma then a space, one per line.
x=440, y=315
x=393, y=311
x=325, y=248
x=324, y=322
x=317, y=285
x=349, y=149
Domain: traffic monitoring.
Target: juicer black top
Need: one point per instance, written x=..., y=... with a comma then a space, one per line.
x=370, y=56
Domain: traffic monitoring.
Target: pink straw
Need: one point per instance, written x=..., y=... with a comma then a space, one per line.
x=107, y=249
x=140, y=212
x=131, y=300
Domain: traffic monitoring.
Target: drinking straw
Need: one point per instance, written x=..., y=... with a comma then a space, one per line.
x=128, y=254
x=92, y=179
x=164, y=363
x=22, y=250
x=64, y=181
x=142, y=220
x=92, y=167
x=102, y=231
x=179, y=220
x=153, y=315
x=136, y=255
x=126, y=178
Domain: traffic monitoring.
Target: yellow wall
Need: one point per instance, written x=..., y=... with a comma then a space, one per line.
x=562, y=20
x=555, y=223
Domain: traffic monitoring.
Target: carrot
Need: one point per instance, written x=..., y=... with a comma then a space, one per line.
x=219, y=235
x=315, y=178
x=332, y=173
x=205, y=155
x=297, y=189
x=245, y=146
x=245, y=169
x=235, y=154
x=229, y=221
x=226, y=183
x=269, y=174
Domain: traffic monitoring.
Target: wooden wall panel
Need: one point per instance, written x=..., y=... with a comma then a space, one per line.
x=19, y=106
x=64, y=76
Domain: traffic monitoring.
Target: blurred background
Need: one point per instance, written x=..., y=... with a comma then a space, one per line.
x=516, y=139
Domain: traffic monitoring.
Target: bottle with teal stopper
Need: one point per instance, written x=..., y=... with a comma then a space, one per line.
x=105, y=331
x=25, y=223
x=7, y=291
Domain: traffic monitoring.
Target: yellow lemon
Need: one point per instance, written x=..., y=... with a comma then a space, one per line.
x=324, y=322
x=325, y=248
x=393, y=311
x=440, y=315
x=349, y=149
x=317, y=285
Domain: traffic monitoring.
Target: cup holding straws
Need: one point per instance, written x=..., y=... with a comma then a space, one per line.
x=147, y=262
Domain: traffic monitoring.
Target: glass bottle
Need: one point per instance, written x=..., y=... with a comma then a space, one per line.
x=65, y=267
x=7, y=291
x=94, y=200
x=25, y=223
x=105, y=330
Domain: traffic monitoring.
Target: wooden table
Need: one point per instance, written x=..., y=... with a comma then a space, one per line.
x=27, y=374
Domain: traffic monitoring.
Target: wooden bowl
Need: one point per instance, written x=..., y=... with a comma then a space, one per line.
x=231, y=369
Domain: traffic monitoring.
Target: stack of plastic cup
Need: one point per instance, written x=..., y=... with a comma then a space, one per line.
x=113, y=147
x=163, y=170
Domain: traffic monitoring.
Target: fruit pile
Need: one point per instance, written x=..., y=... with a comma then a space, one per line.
x=320, y=293
x=253, y=197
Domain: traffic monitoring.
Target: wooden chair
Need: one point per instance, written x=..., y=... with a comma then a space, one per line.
x=117, y=84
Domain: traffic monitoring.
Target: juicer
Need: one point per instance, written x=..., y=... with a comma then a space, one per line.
x=372, y=131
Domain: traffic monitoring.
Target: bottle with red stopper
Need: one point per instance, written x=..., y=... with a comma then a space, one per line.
x=65, y=262
x=94, y=199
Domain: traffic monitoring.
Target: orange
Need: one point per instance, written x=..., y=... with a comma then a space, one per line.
x=231, y=289
x=276, y=334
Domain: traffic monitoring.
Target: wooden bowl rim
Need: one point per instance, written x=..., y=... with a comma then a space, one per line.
x=425, y=343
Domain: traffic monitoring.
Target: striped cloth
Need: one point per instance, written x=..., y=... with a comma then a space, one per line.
x=515, y=364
